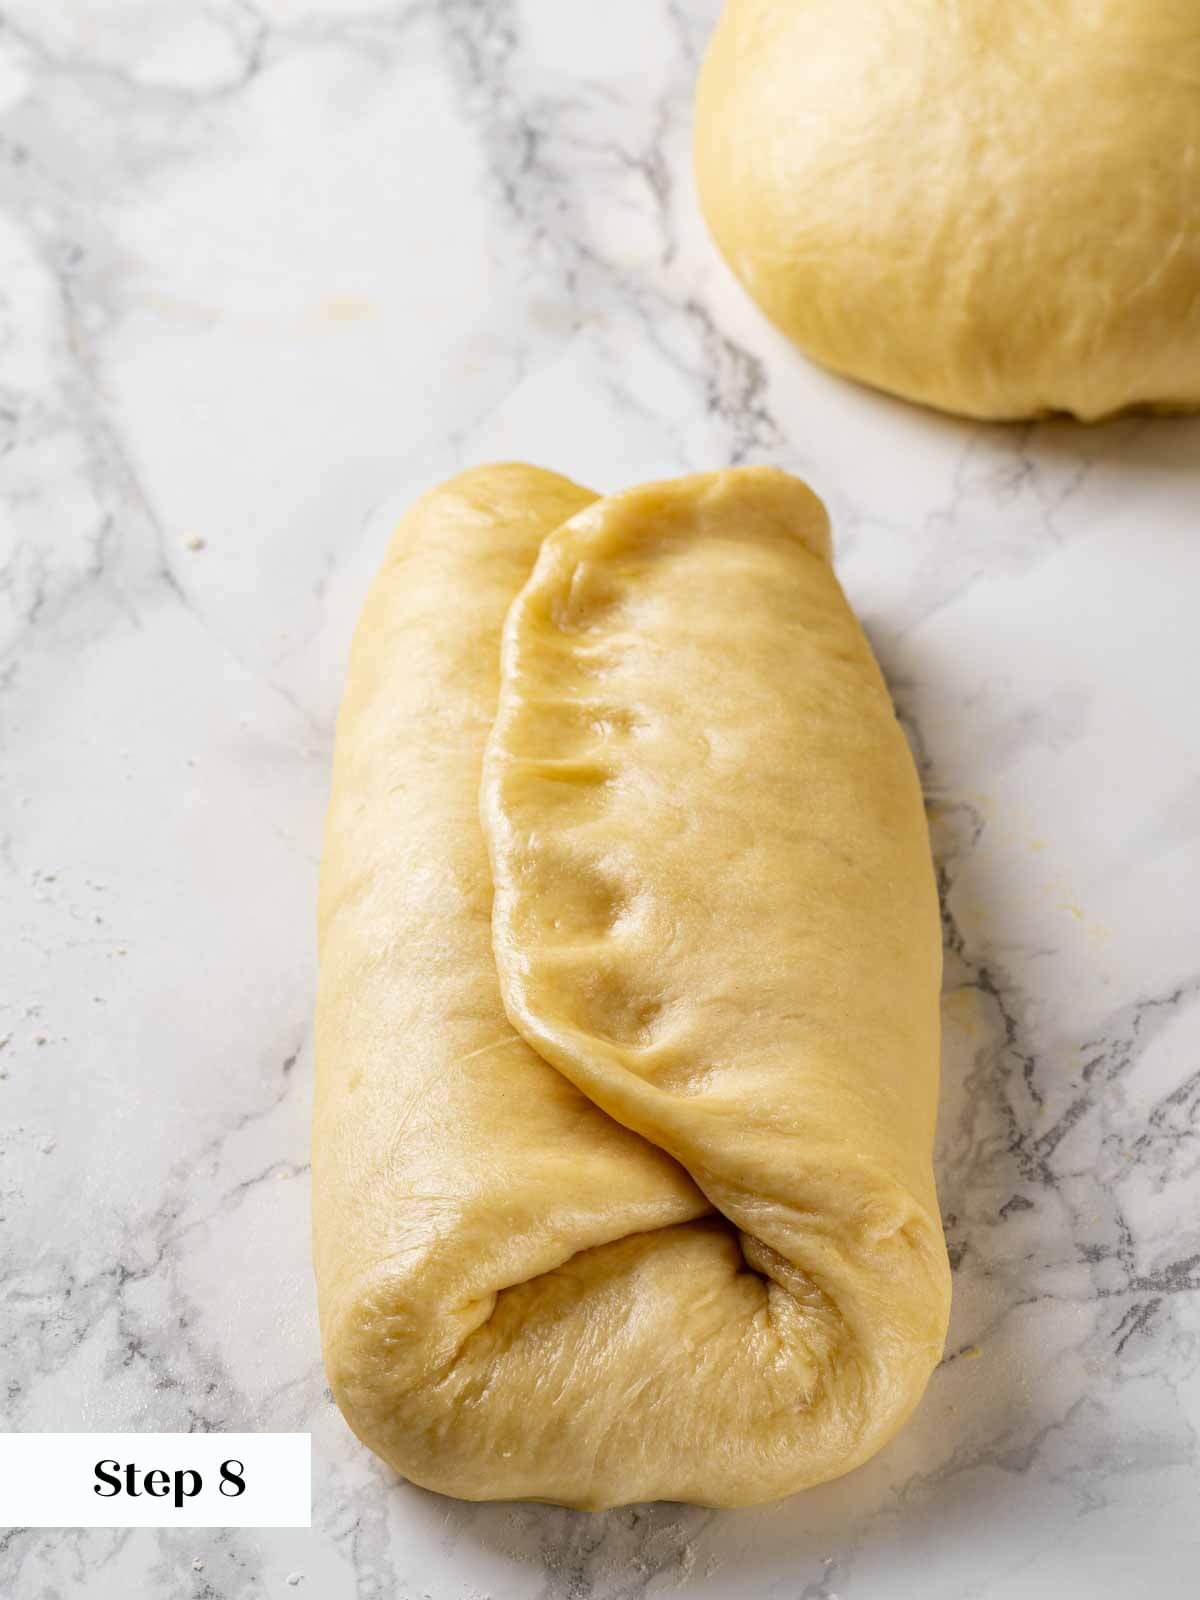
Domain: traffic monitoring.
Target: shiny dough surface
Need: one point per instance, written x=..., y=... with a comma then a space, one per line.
x=627, y=1032
x=991, y=206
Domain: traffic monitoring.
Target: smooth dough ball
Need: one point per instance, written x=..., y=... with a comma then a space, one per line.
x=989, y=206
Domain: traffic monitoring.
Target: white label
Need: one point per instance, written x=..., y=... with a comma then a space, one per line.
x=155, y=1480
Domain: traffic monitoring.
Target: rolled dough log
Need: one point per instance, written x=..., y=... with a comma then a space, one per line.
x=668, y=1228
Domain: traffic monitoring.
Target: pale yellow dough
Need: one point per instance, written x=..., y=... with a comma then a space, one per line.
x=668, y=1229
x=991, y=206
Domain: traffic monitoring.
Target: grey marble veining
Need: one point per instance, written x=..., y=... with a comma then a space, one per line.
x=266, y=270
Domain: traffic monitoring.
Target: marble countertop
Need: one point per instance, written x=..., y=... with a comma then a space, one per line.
x=267, y=269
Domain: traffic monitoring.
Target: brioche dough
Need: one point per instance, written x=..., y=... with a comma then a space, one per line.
x=989, y=206
x=668, y=1228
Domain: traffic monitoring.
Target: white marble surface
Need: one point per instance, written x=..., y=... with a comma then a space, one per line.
x=267, y=268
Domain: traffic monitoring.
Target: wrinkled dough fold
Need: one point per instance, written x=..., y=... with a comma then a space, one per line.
x=622, y=1141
